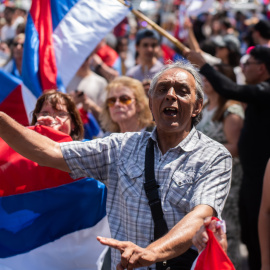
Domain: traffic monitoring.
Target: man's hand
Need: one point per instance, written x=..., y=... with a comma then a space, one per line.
x=132, y=256
x=201, y=237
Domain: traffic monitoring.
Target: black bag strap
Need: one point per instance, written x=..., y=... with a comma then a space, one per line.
x=184, y=261
x=151, y=190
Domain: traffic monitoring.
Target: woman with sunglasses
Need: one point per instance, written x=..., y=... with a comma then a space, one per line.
x=126, y=108
x=14, y=63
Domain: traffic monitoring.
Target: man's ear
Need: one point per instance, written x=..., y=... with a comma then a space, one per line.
x=197, y=108
x=262, y=68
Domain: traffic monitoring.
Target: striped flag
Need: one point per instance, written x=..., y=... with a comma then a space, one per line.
x=47, y=219
x=60, y=34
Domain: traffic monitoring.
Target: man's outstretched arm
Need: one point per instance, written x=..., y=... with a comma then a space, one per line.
x=174, y=243
x=31, y=144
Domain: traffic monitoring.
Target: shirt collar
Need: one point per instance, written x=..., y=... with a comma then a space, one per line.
x=188, y=144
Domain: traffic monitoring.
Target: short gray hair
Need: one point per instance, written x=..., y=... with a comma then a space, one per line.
x=187, y=66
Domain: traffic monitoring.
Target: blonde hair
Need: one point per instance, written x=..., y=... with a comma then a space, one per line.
x=144, y=113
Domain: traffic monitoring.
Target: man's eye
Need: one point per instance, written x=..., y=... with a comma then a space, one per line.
x=163, y=89
x=182, y=92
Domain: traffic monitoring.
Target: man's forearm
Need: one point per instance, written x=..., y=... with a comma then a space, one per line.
x=173, y=244
x=179, y=239
x=30, y=144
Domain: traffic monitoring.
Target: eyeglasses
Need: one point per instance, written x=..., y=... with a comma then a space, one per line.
x=61, y=114
x=125, y=100
x=247, y=63
x=15, y=44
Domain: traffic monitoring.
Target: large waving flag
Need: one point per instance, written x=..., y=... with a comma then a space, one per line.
x=50, y=222
x=60, y=34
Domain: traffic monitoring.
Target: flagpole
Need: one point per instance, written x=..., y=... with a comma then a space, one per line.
x=163, y=32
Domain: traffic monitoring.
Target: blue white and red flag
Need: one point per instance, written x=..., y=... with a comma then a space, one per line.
x=47, y=219
x=60, y=34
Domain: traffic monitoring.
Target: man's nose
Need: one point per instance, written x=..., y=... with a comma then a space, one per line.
x=171, y=93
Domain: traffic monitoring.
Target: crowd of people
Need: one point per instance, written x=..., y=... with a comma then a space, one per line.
x=201, y=111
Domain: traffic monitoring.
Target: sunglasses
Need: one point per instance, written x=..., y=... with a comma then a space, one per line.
x=15, y=44
x=125, y=100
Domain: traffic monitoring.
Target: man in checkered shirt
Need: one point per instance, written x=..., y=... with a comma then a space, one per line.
x=192, y=171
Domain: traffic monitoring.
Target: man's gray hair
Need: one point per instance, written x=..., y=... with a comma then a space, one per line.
x=187, y=66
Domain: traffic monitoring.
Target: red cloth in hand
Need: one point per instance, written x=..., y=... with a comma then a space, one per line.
x=213, y=256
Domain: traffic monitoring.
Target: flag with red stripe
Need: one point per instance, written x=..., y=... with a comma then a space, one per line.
x=60, y=34
x=47, y=219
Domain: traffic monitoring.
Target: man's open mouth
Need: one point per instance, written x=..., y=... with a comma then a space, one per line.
x=170, y=111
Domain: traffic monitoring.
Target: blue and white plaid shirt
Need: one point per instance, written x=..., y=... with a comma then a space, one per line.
x=197, y=171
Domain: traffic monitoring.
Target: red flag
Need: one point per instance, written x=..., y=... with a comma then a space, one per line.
x=213, y=256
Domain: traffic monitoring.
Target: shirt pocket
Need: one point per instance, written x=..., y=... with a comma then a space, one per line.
x=130, y=180
x=180, y=190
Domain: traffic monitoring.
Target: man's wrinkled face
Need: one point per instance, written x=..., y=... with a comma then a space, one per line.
x=173, y=103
